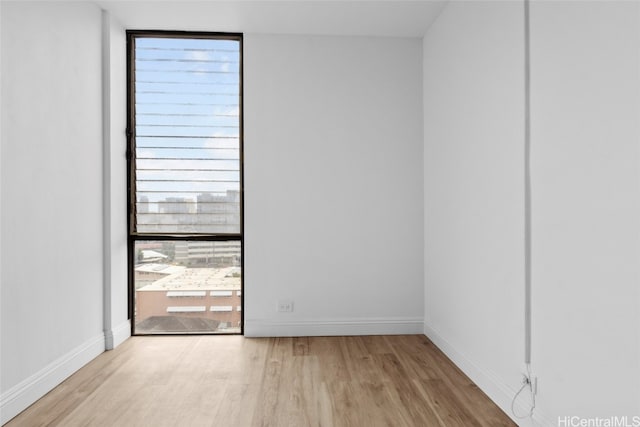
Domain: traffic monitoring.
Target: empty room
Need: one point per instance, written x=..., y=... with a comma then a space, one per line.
x=329, y=213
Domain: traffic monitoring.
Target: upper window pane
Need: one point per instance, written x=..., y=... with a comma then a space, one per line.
x=187, y=135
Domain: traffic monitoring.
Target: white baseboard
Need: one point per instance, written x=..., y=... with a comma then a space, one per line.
x=325, y=327
x=25, y=393
x=121, y=333
x=116, y=336
x=487, y=381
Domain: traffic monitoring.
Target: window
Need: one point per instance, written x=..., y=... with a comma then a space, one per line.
x=221, y=293
x=185, y=181
x=186, y=293
x=186, y=309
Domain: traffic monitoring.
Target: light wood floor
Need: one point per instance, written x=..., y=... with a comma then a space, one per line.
x=234, y=381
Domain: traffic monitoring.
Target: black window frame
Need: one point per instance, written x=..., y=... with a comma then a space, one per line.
x=133, y=234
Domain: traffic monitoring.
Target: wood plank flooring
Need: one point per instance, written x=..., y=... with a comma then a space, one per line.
x=235, y=381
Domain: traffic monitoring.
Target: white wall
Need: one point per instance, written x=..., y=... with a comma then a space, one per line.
x=333, y=180
x=586, y=198
x=585, y=133
x=117, y=326
x=51, y=196
x=473, y=175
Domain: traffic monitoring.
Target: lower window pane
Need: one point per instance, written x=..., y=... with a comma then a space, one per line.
x=187, y=287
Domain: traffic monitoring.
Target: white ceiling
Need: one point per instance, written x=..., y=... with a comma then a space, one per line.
x=395, y=18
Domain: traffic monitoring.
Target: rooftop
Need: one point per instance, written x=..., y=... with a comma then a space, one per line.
x=227, y=278
x=160, y=268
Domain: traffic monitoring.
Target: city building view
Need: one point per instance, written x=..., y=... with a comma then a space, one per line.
x=201, y=213
x=188, y=287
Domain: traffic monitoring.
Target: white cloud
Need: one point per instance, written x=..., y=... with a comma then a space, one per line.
x=198, y=55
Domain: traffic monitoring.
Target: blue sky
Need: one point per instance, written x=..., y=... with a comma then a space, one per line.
x=187, y=108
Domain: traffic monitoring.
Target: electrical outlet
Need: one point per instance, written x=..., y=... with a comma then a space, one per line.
x=285, y=306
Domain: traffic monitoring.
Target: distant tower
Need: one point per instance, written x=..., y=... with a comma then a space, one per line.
x=143, y=205
x=175, y=205
x=205, y=201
